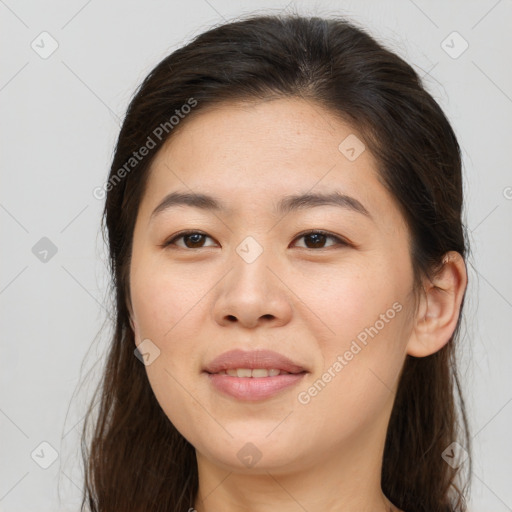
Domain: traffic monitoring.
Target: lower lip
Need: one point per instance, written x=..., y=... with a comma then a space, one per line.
x=253, y=388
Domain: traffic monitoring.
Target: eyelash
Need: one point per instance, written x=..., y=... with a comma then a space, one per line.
x=182, y=234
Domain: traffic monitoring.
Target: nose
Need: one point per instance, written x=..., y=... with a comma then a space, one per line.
x=253, y=294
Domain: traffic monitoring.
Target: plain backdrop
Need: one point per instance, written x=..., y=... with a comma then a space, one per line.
x=68, y=71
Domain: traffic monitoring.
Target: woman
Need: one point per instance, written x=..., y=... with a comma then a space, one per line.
x=284, y=222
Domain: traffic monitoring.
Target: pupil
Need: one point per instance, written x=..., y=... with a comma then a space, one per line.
x=318, y=239
x=195, y=238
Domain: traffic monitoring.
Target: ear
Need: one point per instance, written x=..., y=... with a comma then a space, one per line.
x=439, y=307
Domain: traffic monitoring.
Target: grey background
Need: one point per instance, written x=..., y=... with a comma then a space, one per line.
x=60, y=120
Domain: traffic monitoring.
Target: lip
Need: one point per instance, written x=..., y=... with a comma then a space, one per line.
x=253, y=388
x=253, y=359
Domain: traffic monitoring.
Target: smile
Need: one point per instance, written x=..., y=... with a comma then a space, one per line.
x=256, y=372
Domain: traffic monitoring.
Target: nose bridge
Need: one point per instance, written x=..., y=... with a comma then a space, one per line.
x=251, y=260
x=250, y=250
x=251, y=291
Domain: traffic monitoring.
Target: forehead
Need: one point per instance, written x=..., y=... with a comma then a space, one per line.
x=283, y=131
x=252, y=154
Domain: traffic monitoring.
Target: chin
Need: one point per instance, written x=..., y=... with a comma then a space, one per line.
x=253, y=455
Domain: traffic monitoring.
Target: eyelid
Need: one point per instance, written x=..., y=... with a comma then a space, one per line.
x=341, y=241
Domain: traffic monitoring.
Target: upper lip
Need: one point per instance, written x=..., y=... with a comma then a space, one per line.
x=253, y=359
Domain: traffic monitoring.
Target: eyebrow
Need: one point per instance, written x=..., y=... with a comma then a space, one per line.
x=285, y=205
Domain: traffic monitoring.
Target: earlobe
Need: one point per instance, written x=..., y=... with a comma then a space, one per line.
x=439, y=307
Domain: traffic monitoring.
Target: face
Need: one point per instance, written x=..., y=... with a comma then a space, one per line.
x=255, y=274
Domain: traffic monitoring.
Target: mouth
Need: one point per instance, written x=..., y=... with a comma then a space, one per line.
x=253, y=376
x=256, y=373
x=255, y=363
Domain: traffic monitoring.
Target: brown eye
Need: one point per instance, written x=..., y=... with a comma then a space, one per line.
x=313, y=240
x=191, y=240
x=317, y=239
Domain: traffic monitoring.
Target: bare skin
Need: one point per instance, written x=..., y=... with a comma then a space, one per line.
x=306, y=297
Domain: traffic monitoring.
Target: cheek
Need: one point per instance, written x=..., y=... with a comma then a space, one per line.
x=167, y=309
x=350, y=298
x=354, y=391
x=164, y=311
x=163, y=300
x=364, y=316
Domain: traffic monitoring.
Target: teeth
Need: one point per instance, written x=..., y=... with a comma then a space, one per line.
x=260, y=373
x=256, y=372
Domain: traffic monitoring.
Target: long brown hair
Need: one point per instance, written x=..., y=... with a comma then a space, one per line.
x=135, y=459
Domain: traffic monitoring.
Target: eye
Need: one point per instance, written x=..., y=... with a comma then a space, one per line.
x=317, y=238
x=192, y=240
